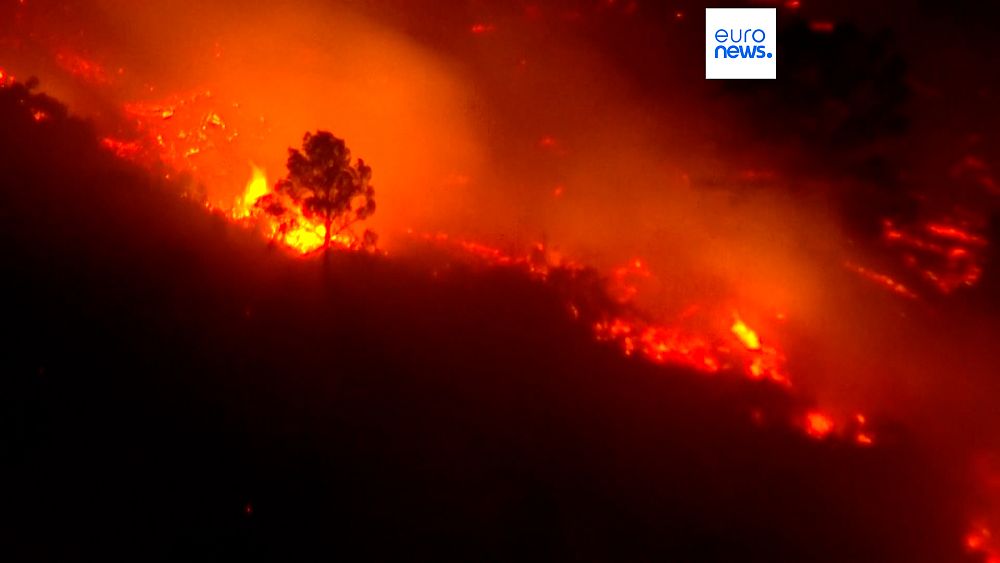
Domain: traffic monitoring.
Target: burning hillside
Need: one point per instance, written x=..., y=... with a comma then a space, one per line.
x=610, y=313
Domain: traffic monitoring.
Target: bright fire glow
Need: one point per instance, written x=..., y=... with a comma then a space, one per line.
x=256, y=188
x=979, y=540
x=746, y=335
x=295, y=231
x=946, y=254
x=818, y=425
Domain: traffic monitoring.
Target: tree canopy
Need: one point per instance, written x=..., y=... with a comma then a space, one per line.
x=327, y=188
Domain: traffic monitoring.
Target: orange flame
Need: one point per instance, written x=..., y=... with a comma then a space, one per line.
x=256, y=188
x=296, y=232
x=818, y=425
x=746, y=335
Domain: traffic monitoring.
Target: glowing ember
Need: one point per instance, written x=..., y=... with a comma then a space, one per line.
x=623, y=287
x=946, y=254
x=665, y=345
x=122, y=149
x=979, y=541
x=6, y=79
x=659, y=344
x=818, y=425
x=821, y=26
x=190, y=134
x=746, y=335
x=862, y=437
x=882, y=279
x=955, y=233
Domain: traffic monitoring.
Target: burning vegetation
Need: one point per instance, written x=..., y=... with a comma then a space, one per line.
x=321, y=199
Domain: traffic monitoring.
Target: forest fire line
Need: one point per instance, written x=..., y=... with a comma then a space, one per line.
x=946, y=255
x=669, y=345
x=660, y=344
x=174, y=133
x=188, y=132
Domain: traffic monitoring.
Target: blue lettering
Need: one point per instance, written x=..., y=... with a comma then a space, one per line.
x=746, y=51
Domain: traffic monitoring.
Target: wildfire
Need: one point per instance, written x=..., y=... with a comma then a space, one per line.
x=660, y=344
x=945, y=254
x=295, y=232
x=180, y=129
x=670, y=345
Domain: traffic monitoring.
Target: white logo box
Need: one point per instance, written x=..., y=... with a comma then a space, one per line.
x=741, y=43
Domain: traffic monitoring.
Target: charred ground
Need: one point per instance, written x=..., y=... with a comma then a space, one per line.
x=175, y=390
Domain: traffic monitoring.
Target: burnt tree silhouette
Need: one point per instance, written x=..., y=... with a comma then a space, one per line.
x=329, y=189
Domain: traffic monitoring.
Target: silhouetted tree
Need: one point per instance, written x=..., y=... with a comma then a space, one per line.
x=329, y=189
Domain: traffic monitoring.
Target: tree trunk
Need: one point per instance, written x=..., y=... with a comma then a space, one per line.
x=327, y=234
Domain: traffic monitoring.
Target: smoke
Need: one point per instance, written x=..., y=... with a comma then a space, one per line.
x=272, y=72
x=525, y=132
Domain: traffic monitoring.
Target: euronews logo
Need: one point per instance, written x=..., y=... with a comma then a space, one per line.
x=740, y=43
x=741, y=46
